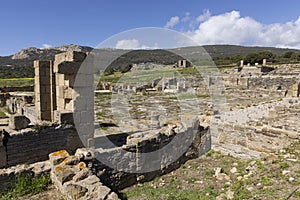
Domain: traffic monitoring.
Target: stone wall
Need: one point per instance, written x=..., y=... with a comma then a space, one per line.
x=130, y=164
x=260, y=82
x=29, y=146
x=34, y=170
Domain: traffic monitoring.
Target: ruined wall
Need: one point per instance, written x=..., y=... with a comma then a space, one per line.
x=272, y=82
x=258, y=130
x=29, y=146
x=132, y=156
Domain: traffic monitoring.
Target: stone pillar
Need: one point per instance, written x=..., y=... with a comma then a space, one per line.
x=75, y=94
x=242, y=63
x=264, y=62
x=43, y=93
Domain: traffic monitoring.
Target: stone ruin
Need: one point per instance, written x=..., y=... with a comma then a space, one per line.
x=64, y=97
x=63, y=107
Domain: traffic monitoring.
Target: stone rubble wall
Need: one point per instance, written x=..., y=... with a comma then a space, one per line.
x=72, y=176
x=29, y=146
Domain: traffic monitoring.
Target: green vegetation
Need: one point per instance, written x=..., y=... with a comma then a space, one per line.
x=25, y=185
x=16, y=72
x=13, y=82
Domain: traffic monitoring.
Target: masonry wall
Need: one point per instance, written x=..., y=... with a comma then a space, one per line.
x=31, y=146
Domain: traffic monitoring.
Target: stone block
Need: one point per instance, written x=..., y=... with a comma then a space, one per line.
x=60, y=79
x=58, y=157
x=67, y=67
x=72, y=56
x=69, y=104
x=18, y=122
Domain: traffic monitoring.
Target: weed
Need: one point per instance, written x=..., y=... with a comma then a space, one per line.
x=284, y=166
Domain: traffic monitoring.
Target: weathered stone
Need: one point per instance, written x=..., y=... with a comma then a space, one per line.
x=64, y=173
x=101, y=192
x=112, y=196
x=58, y=157
x=83, y=174
x=74, y=191
x=84, y=154
x=18, y=122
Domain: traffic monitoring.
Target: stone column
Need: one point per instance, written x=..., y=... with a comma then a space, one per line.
x=264, y=62
x=43, y=93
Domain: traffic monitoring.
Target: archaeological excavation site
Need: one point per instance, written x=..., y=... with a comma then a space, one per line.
x=153, y=124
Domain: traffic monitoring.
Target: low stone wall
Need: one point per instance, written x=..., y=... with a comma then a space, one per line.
x=29, y=146
x=74, y=179
x=34, y=170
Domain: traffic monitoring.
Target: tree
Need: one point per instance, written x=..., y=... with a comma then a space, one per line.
x=257, y=57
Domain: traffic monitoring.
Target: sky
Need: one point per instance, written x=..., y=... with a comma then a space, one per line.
x=42, y=24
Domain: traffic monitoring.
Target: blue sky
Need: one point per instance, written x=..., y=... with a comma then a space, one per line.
x=41, y=23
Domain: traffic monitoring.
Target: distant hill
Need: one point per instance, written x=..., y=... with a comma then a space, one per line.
x=230, y=50
x=21, y=63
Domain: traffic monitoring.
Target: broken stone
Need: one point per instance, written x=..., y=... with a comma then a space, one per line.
x=233, y=170
x=101, y=192
x=74, y=191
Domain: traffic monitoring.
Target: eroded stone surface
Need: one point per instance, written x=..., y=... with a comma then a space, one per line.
x=74, y=179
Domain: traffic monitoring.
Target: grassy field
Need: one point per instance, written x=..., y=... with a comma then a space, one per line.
x=9, y=82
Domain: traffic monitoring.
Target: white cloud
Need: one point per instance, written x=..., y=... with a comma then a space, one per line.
x=46, y=46
x=205, y=15
x=187, y=17
x=231, y=28
x=172, y=22
x=133, y=44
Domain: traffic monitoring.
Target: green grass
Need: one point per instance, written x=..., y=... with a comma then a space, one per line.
x=169, y=193
x=9, y=82
x=25, y=185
